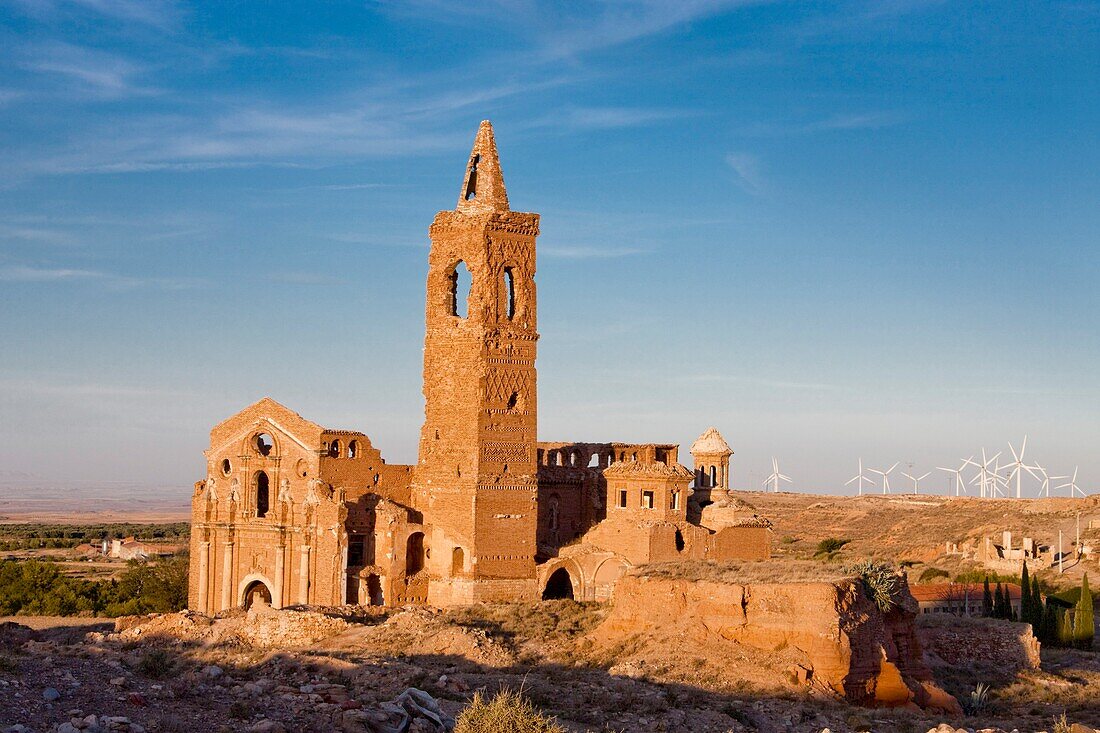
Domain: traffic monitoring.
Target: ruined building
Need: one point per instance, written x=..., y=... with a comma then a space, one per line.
x=296, y=513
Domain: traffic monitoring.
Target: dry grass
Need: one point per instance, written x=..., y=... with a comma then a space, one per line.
x=507, y=712
x=764, y=571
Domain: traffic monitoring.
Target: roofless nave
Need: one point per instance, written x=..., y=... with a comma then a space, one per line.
x=296, y=513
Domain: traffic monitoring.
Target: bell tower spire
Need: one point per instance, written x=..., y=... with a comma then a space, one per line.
x=483, y=187
x=477, y=470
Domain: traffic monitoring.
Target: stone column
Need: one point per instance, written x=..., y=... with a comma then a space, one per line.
x=204, y=576
x=227, y=577
x=303, y=576
x=277, y=591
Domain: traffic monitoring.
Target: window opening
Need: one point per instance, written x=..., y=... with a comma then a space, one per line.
x=263, y=443
x=647, y=499
x=461, y=284
x=263, y=497
x=353, y=449
x=471, y=185
x=509, y=293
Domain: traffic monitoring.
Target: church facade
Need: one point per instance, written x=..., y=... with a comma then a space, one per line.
x=294, y=513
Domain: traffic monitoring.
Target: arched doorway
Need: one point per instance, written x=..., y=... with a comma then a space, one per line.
x=414, y=553
x=458, y=561
x=256, y=592
x=558, y=585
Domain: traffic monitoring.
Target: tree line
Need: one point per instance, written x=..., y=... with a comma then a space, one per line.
x=34, y=588
x=1053, y=621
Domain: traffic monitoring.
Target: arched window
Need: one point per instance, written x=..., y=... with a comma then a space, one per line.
x=713, y=476
x=458, y=561
x=414, y=553
x=262, y=443
x=509, y=293
x=227, y=467
x=353, y=449
x=263, y=494
x=334, y=449
x=461, y=285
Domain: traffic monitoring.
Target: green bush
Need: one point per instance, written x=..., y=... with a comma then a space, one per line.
x=506, y=712
x=933, y=573
x=829, y=546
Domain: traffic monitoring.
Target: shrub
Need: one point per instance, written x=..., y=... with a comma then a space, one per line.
x=830, y=546
x=881, y=582
x=507, y=712
x=157, y=664
x=932, y=574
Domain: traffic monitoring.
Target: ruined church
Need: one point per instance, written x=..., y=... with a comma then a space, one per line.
x=294, y=513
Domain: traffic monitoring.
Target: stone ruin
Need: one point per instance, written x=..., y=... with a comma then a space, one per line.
x=292, y=512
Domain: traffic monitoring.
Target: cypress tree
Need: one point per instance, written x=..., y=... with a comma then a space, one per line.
x=1036, y=619
x=1083, y=629
x=1025, y=594
x=1048, y=630
x=999, y=602
x=987, y=599
x=1065, y=629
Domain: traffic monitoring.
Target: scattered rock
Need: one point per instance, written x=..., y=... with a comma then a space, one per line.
x=50, y=694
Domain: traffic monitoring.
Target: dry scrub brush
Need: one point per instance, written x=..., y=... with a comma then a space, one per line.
x=507, y=712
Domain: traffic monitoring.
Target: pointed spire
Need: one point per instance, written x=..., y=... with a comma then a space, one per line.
x=483, y=186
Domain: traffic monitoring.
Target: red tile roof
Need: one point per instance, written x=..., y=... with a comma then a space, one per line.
x=959, y=591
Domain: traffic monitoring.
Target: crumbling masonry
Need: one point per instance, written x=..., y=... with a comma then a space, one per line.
x=294, y=513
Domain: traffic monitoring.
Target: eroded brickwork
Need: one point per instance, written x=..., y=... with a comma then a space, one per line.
x=294, y=513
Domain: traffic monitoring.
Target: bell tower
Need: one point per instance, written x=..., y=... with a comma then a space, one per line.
x=476, y=477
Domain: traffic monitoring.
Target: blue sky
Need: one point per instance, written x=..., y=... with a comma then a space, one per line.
x=831, y=230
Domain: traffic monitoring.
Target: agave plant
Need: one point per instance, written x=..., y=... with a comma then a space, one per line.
x=881, y=582
x=975, y=704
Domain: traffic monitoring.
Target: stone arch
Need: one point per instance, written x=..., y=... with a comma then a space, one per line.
x=254, y=587
x=606, y=575
x=573, y=573
x=559, y=586
x=458, y=561
x=414, y=553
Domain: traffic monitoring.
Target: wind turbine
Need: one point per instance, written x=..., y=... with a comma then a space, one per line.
x=1072, y=485
x=960, y=485
x=1018, y=467
x=776, y=477
x=1044, y=490
x=916, y=480
x=983, y=475
x=860, y=478
x=885, y=477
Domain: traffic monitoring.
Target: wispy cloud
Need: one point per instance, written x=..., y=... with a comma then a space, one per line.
x=607, y=118
x=161, y=14
x=833, y=123
x=91, y=71
x=304, y=278
x=559, y=31
x=584, y=252
x=59, y=275
x=746, y=167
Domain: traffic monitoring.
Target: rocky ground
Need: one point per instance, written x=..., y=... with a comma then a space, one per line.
x=346, y=670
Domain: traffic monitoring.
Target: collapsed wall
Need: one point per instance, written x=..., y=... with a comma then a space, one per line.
x=844, y=642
